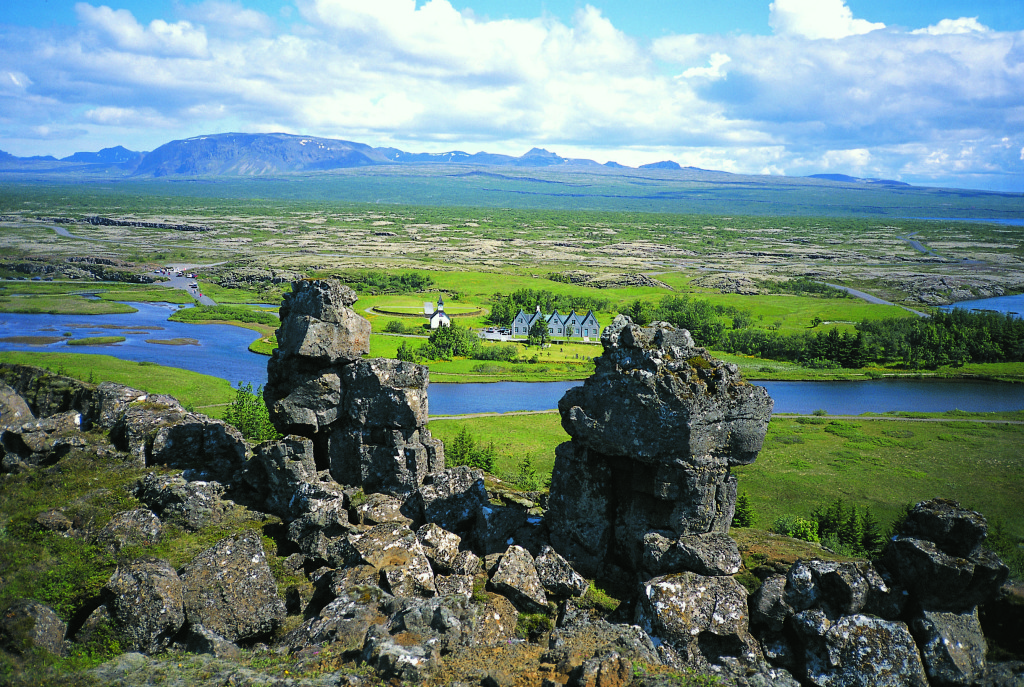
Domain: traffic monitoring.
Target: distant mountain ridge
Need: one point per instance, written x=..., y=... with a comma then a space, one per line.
x=242, y=154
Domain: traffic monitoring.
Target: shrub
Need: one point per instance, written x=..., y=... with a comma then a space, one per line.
x=796, y=527
x=249, y=415
x=395, y=327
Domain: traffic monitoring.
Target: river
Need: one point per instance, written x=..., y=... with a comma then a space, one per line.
x=223, y=352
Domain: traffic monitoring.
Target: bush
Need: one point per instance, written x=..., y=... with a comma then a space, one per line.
x=395, y=327
x=796, y=527
x=249, y=415
x=464, y=450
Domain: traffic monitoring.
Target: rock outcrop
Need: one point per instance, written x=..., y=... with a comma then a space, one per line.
x=654, y=433
x=909, y=618
x=366, y=417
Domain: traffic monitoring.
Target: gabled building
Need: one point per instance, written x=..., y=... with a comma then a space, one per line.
x=438, y=317
x=573, y=324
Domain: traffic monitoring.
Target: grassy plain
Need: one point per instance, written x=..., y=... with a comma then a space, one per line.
x=203, y=392
x=874, y=462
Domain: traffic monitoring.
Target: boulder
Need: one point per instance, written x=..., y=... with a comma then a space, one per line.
x=858, y=650
x=389, y=460
x=399, y=657
x=343, y=621
x=230, y=590
x=302, y=401
x=571, y=647
x=318, y=325
x=200, y=640
x=379, y=509
x=516, y=578
x=655, y=396
x=705, y=554
x=284, y=479
x=952, y=646
x=163, y=433
x=188, y=504
x=461, y=585
x=940, y=581
x=954, y=530
x=439, y=545
x=702, y=617
x=131, y=528
x=453, y=498
x=14, y=412
x=146, y=601
x=768, y=606
x=27, y=624
x=557, y=576
x=43, y=441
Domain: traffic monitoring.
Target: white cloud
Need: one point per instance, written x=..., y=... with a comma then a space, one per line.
x=159, y=38
x=229, y=15
x=870, y=103
x=953, y=26
x=817, y=19
x=716, y=61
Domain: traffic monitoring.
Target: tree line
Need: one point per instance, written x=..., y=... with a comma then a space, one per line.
x=954, y=338
x=377, y=282
x=504, y=307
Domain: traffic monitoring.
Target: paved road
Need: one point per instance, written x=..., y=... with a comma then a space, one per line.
x=175, y=282
x=873, y=299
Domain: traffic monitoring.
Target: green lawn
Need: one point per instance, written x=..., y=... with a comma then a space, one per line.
x=190, y=388
x=876, y=463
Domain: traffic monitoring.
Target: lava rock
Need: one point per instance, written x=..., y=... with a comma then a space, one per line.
x=517, y=579
x=146, y=601
x=952, y=646
x=557, y=576
x=131, y=528
x=230, y=590
x=27, y=624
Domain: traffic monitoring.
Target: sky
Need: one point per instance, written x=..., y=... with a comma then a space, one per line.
x=926, y=93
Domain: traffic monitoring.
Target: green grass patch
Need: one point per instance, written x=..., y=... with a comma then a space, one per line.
x=62, y=305
x=514, y=436
x=96, y=341
x=190, y=388
x=226, y=313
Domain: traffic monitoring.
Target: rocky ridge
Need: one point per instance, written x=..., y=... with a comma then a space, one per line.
x=422, y=575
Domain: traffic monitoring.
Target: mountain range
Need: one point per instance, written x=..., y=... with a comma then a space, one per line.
x=240, y=154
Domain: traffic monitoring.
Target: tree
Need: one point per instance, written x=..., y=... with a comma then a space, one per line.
x=249, y=415
x=744, y=515
x=641, y=312
x=406, y=353
x=538, y=333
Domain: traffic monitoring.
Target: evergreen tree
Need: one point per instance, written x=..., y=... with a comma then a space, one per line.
x=249, y=415
x=872, y=539
x=744, y=515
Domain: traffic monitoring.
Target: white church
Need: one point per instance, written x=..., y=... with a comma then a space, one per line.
x=438, y=317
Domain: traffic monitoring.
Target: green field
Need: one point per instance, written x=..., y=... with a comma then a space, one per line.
x=202, y=392
x=883, y=464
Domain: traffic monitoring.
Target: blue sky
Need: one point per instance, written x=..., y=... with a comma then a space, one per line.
x=928, y=93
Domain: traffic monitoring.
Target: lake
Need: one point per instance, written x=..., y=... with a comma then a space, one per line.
x=836, y=398
x=223, y=349
x=1004, y=304
x=223, y=352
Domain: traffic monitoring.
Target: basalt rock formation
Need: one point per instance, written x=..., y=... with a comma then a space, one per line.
x=654, y=433
x=367, y=418
x=428, y=575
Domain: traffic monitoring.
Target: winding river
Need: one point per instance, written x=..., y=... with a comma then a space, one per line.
x=223, y=352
